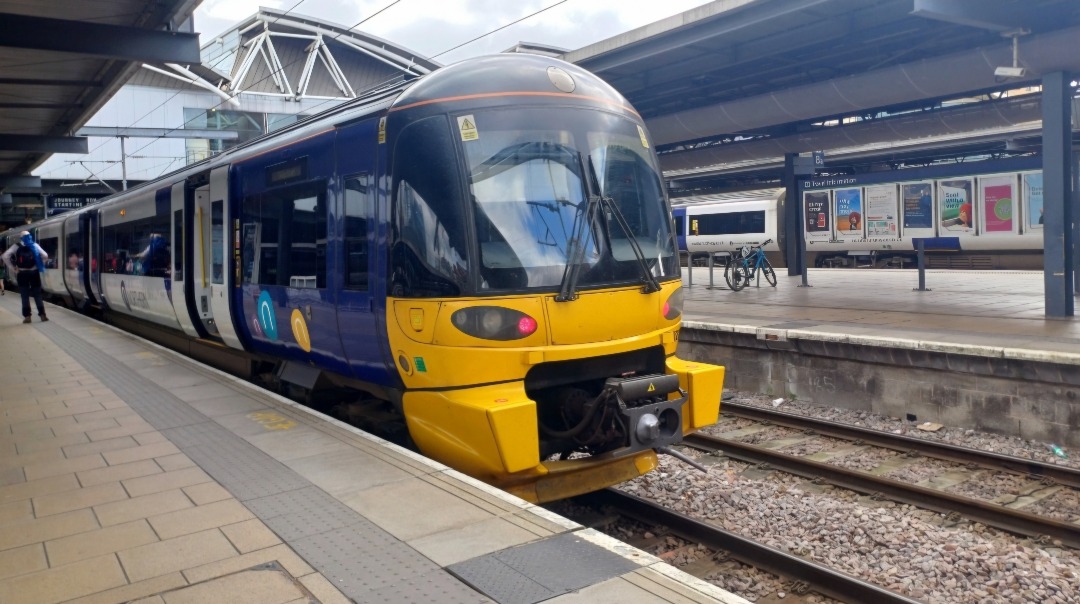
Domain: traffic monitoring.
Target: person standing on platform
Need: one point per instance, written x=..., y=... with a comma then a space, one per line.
x=27, y=261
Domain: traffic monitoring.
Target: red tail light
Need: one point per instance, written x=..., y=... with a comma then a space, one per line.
x=674, y=305
x=494, y=323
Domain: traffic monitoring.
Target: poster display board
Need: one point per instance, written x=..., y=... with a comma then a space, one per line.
x=816, y=210
x=956, y=212
x=997, y=204
x=881, y=212
x=848, y=213
x=917, y=200
x=1032, y=186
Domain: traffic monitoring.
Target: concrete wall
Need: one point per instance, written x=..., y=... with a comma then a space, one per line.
x=1020, y=397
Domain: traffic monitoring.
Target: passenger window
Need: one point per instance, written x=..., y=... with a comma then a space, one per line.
x=74, y=251
x=178, y=241
x=284, y=237
x=217, y=242
x=50, y=245
x=359, y=218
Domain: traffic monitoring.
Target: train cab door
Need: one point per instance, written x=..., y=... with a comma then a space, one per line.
x=211, y=267
x=184, y=305
x=357, y=231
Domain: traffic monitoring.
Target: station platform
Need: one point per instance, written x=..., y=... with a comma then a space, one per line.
x=987, y=313
x=129, y=473
x=975, y=352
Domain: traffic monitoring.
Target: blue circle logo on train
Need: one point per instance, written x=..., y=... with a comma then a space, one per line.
x=266, y=315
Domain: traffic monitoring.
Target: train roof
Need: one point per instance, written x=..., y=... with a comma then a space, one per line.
x=754, y=195
x=511, y=74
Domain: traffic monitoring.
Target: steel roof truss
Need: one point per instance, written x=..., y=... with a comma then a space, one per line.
x=273, y=62
x=309, y=66
x=335, y=70
x=255, y=43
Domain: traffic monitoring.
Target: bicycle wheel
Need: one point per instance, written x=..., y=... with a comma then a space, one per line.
x=770, y=274
x=734, y=276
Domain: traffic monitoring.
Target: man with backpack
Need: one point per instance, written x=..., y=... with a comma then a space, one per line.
x=26, y=260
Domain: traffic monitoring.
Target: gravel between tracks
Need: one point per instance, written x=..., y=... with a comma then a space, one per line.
x=915, y=552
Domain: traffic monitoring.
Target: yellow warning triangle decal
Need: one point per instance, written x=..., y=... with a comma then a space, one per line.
x=652, y=388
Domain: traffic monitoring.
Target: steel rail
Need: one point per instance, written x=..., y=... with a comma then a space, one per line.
x=824, y=580
x=991, y=514
x=994, y=461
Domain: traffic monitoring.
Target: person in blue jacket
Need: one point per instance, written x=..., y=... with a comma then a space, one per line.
x=26, y=260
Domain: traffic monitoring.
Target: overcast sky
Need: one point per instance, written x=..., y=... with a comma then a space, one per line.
x=430, y=27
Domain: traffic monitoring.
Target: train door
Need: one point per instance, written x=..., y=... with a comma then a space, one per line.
x=89, y=257
x=679, y=216
x=183, y=304
x=74, y=260
x=211, y=250
x=93, y=255
x=356, y=231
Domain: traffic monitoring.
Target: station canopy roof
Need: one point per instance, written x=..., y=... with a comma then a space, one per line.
x=738, y=83
x=61, y=61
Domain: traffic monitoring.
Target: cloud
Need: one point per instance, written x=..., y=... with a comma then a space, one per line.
x=431, y=27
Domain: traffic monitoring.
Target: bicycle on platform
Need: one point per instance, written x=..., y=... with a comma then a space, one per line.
x=745, y=266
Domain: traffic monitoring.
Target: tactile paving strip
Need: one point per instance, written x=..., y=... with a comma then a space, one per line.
x=541, y=570
x=354, y=554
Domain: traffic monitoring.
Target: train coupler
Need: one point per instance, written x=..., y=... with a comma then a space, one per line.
x=650, y=418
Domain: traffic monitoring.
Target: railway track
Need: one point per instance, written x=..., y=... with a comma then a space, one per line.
x=806, y=574
x=992, y=514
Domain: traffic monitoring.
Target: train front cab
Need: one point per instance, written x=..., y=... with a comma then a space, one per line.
x=501, y=368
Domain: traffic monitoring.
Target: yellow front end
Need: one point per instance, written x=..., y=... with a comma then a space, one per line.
x=465, y=400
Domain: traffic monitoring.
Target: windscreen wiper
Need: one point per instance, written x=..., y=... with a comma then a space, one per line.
x=651, y=284
x=575, y=255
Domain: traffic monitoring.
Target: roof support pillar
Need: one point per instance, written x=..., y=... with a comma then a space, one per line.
x=794, y=247
x=1059, y=205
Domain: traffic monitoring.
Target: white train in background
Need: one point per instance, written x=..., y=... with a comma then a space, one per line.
x=990, y=220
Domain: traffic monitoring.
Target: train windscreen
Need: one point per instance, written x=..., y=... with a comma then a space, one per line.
x=534, y=174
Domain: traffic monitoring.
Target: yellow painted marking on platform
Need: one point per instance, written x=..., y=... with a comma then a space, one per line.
x=271, y=420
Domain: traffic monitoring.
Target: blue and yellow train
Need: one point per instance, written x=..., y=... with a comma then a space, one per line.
x=486, y=252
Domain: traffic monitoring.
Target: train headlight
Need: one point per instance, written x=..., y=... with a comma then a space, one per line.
x=494, y=323
x=674, y=305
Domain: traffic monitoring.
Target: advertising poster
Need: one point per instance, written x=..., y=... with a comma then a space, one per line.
x=817, y=214
x=881, y=211
x=1033, y=192
x=955, y=210
x=998, y=207
x=849, y=212
x=918, y=206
